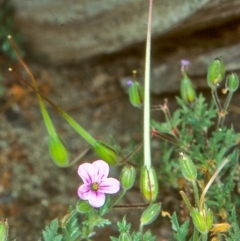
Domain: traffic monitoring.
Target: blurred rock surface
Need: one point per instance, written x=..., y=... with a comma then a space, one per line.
x=60, y=32
x=65, y=30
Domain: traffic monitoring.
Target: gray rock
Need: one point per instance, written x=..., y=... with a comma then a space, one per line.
x=62, y=31
x=59, y=32
x=166, y=77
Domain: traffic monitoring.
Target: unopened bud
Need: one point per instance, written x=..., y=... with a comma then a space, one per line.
x=232, y=82
x=149, y=184
x=216, y=72
x=127, y=177
x=136, y=94
x=3, y=230
x=105, y=152
x=187, y=91
x=189, y=170
x=58, y=151
x=84, y=206
x=202, y=220
x=150, y=214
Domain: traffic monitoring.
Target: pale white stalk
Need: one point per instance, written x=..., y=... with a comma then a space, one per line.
x=146, y=112
x=211, y=181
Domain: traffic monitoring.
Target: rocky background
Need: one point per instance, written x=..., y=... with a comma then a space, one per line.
x=82, y=53
x=82, y=32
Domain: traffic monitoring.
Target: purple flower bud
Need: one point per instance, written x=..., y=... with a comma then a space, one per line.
x=185, y=62
x=184, y=65
x=129, y=83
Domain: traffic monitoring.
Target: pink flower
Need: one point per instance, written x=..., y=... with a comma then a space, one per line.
x=96, y=183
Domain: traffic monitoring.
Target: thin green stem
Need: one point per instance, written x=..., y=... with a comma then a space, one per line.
x=47, y=119
x=141, y=228
x=79, y=157
x=166, y=138
x=216, y=99
x=196, y=194
x=91, y=219
x=195, y=234
x=78, y=128
x=69, y=119
x=146, y=111
x=227, y=102
x=131, y=206
x=34, y=86
x=186, y=200
x=133, y=152
x=225, y=107
x=218, y=105
x=204, y=236
x=118, y=198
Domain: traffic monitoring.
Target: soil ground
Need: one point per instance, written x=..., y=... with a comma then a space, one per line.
x=33, y=190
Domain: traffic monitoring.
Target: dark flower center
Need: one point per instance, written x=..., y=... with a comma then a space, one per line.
x=94, y=186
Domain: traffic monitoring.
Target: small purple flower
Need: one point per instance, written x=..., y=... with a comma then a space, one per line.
x=185, y=62
x=129, y=82
x=184, y=65
x=96, y=183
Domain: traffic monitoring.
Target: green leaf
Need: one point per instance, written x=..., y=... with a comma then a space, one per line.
x=51, y=232
x=123, y=226
x=180, y=231
x=234, y=231
x=114, y=239
x=101, y=222
x=175, y=224
x=70, y=226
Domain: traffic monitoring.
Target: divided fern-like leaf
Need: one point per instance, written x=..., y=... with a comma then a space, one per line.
x=181, y=231
x=234, y=231
x=51, y=232
x=70, y=227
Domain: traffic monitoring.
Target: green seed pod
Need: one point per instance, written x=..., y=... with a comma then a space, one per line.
x=209, y=219
x=136, y=94
x=202, y=220
x=189, y=170
x=58, y=151
x=187, y=91
x=3, y=230
x=216, y=72
x=149, y=184
x=232, y=82
x=127, y=177
x=198, y=221
x=83, y=207
x=105, y=152
x=125, y=237
x=150, y=214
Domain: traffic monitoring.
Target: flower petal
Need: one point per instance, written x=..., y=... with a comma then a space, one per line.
x=84, y=191
x=109, y=185
x=96, y=199
x=86, y=171
x=102, y=170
